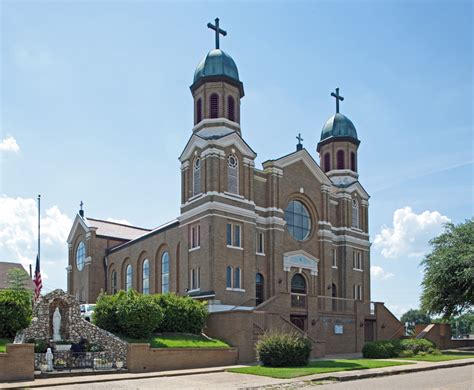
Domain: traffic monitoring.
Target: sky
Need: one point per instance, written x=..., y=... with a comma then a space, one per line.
x=95, y=106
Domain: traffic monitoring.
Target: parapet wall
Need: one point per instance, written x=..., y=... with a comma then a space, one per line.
x=17, y=363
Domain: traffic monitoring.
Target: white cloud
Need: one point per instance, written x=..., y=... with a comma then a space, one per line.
x=9, y=144
x=121, y=221
x=410, y=233
x=18, y=238
x=378, y=273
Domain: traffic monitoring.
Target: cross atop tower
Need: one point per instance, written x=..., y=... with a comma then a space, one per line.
x=299, y=146
x=217, y=30
x=338, y=97
x=81, y=210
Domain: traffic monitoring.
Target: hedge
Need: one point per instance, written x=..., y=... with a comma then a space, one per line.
x=15, y=311
x=279, y=349
x=397, y=348
x=138, y=316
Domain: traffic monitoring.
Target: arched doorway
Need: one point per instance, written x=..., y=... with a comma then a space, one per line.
x=259, y=289
x=298, y=291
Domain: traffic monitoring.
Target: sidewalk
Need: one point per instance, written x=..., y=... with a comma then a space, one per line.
x=338, y=376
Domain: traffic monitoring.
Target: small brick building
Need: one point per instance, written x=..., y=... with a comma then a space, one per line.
x=286, y=244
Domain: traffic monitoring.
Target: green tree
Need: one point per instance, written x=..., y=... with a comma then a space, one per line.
x=448, y=282
x=415, y=317
x=15, y=311
x=17, y=279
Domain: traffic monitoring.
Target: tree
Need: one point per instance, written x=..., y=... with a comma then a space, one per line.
x=15, y=311
x=449, y=271
x=17, y=279
x=415, y=317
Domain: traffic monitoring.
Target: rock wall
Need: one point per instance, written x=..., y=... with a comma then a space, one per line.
x=73, y=327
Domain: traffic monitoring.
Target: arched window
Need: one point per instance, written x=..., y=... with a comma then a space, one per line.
x=198, y=110
x=231, y=108
x=298, y=284
x=340, y=159
x=353, y=162
x=146, y=277
x=355, y=213
x=259, y=289
x=128, y=278
x=327, y=162
x=165, y=273
x=233, y=174
x=113, y=282
x=197, y=176
x=80, y=256
x=298, y=220
x=214, y=105
x=228, y=278
x=238, y=278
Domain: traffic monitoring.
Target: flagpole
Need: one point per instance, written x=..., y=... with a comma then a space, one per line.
x=39, y=227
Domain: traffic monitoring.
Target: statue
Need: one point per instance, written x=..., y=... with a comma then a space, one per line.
x=49, y=359
x=56, y=325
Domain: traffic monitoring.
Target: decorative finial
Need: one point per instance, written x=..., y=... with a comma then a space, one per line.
x=217, y=30
x=81, y=210
x=299, y=146
x=338, y=97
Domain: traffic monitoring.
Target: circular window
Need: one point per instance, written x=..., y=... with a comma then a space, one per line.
x=197, y=163
x=232, y=161
x=298, y=220
x=80, y=256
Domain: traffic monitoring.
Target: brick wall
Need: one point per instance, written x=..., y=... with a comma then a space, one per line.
x=18, y=363
x=142, y=358
x=388, y=326
x=440, y=334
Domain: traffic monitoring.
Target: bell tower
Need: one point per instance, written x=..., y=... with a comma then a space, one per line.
x=216, y=88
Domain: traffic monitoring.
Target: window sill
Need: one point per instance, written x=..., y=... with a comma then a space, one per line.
x=234, y=195
x=195, y=197
x=235, y=247
x=194, y=249
x=195, y=290
x=235, y=289
x=358, y=269
x=356, y=229
x=334, y=267
x=260, y=254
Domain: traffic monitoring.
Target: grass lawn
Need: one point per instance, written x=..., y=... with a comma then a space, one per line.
x=316, y=367
x=443, y=357
x=178, y=340
x=3, y=344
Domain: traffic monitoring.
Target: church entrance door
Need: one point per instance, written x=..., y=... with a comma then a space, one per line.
x=369, y=330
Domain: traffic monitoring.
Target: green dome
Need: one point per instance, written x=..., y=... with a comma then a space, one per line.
x=338, y=126
x=216, y=63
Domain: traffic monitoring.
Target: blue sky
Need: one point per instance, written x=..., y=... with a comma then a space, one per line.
x=95, y=96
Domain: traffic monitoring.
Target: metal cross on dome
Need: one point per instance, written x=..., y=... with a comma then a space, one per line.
x=338, y=97
x=299, y=138
x=217, y=30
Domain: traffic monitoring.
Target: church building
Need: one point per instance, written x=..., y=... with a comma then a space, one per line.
x=282, y=245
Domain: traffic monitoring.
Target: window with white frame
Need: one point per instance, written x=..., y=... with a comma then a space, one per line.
x=357, y=260
x=128, y=277
x=146, y=277
x=233, y=278
x=355, y=213
x=114, y=282
x=238, y=278
x=195, y=278
x=357, y=291
x=233, y=235
x=196, y=176
x=233, y=174
x=229, y=275
x=260, y=243
x=334, y=258
x=195, y=236
x=165, y=273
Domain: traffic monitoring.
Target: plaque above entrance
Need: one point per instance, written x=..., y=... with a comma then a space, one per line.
x=300, y=259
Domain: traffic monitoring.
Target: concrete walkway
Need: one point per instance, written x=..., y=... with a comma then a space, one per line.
x=212, y=377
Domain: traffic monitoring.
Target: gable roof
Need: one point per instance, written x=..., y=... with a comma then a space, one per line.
x=5, y=267
x=106, y=228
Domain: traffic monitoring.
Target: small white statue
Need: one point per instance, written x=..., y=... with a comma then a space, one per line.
x=56, y=325
x=49, y=359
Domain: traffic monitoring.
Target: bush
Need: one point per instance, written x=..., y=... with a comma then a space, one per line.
x=15, y=311
x=381, y=349
x=417, y=345
x=181, y=314
x=128, y=313
x=406, y=354
x=41, y=346
x=277, y=349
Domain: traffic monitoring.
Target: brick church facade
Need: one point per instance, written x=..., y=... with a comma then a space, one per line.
x=284, y=245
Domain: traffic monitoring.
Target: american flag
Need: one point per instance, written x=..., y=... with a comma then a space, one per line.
x=37, y=280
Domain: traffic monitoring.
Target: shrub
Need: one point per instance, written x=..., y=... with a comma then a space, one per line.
x=417, y=346
x=181, y=314
x=278, y=349
x=406, y=354
x=381, y=349
x=15, y=311
x=128, y=313
x=40, y=345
